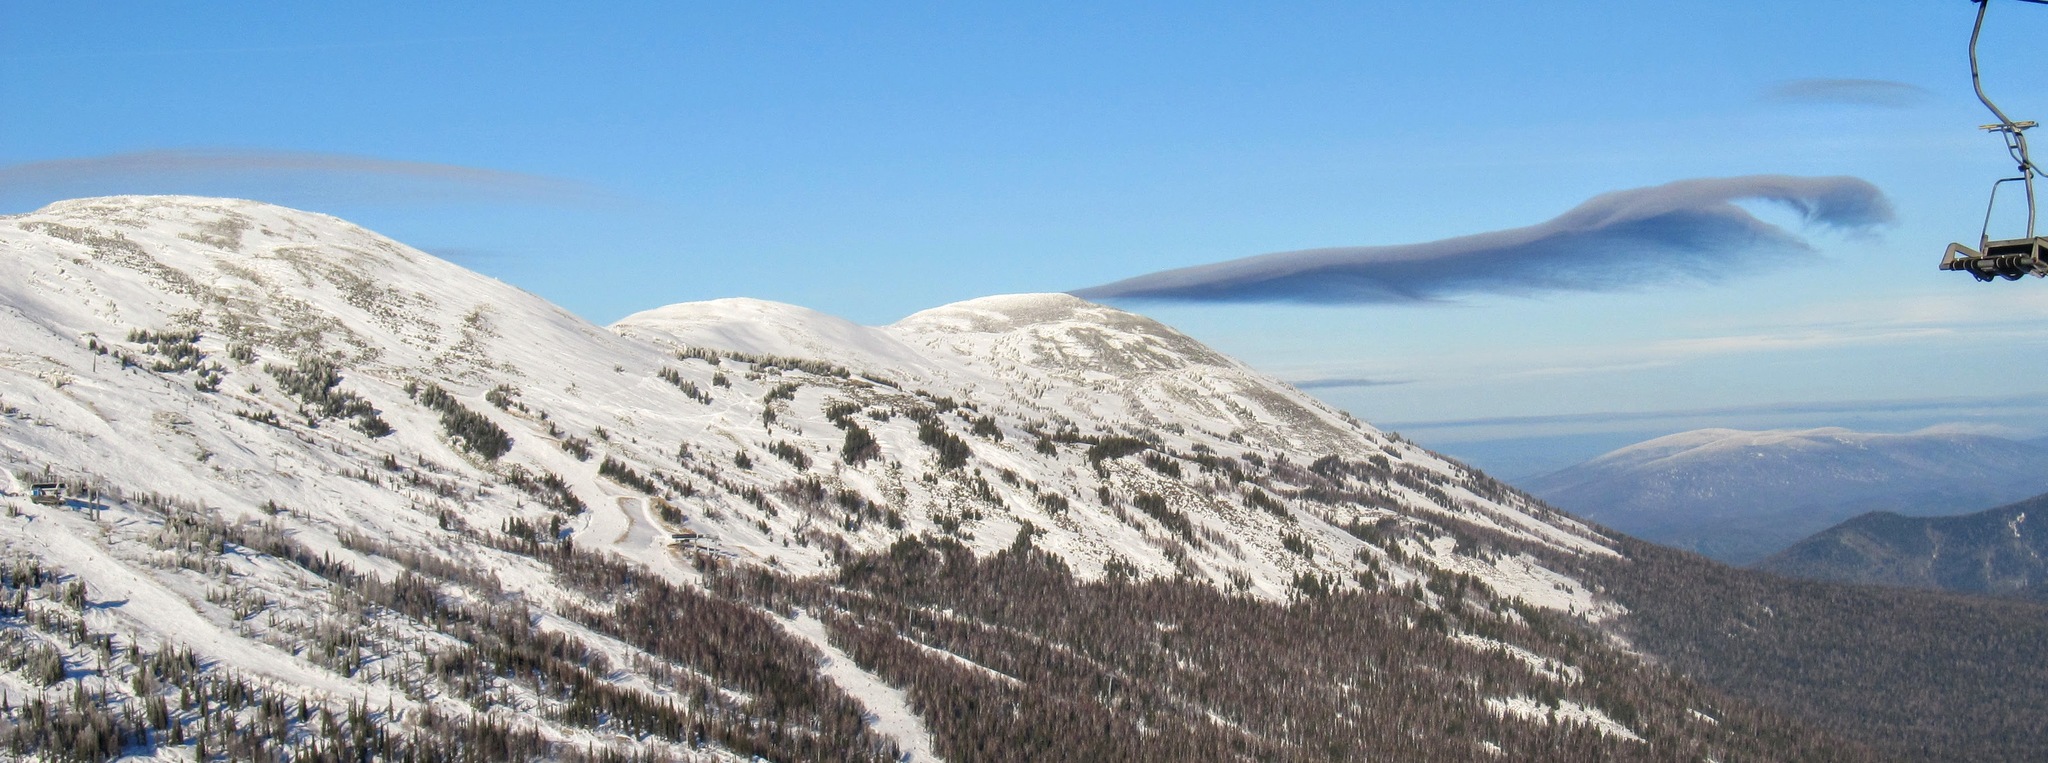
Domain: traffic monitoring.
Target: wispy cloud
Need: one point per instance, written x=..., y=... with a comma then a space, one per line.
x=1717, y=345
x=1686, y=231
x=299, y=175
x=1919, y=405
x=1851, y=92
x=1340, y=383
x=1974, y=310
x=296, y=47
x=2012, y=317
x=1495, y=365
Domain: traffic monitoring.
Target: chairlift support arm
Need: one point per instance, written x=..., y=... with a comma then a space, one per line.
x=2014, y=132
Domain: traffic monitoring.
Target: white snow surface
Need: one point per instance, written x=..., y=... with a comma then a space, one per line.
x=1566, y=711
x=1707, y=443
x=1715, y=443
x=888, y=707
x=284, y=285
x=1539, y=664
x=760, y=327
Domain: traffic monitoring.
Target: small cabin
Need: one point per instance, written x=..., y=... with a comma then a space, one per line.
x=47, y=493
x=684, y=536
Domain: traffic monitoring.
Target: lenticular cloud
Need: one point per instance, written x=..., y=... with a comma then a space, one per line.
x=304, y=175
x=1686, y=231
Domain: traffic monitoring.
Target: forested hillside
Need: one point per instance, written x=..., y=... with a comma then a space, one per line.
x=2001, y=551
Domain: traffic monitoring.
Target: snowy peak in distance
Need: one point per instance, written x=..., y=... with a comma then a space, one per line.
x=1741, y=495
x=1056, y=331
x=1716, y=442
x=1056, y=355
x=761, y=327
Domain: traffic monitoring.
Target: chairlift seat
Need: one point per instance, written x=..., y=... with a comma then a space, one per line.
x=2008, y=259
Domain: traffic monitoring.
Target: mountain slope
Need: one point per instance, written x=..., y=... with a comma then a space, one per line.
x=328, y=497
x=1921, y=675
x=1995, y=551
x=1738, y=496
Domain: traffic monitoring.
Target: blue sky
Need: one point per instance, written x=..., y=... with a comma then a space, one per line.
x=872, y=161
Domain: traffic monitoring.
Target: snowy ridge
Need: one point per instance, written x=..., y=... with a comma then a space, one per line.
x=760, y=327
x=1740, y=496
x=156, y=354
x=1709, y=443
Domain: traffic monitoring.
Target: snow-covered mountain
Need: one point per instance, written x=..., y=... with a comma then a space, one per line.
x=323, y=485
x=1740, y=495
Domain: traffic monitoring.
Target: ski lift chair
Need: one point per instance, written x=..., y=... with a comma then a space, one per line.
x=2005, y=258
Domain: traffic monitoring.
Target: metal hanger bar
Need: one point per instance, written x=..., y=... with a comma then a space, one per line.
x=2015, y=138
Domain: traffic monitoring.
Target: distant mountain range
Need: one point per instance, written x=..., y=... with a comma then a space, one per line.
x=1995, y=551
x=1739, y=496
